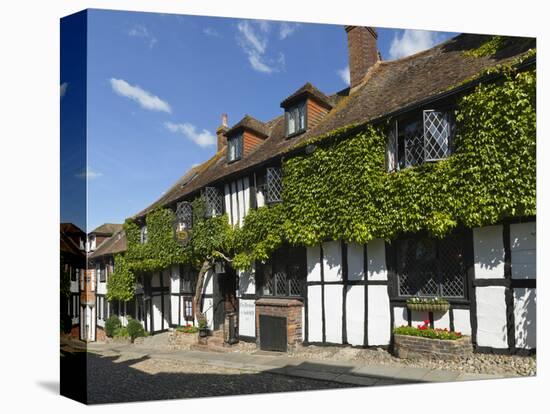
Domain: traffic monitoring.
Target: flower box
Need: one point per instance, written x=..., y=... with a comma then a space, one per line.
x=429, y=307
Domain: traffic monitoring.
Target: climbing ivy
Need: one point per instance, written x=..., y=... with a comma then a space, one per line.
x=341, y=190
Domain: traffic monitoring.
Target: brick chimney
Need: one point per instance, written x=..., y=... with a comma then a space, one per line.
x=220, y=132
x=363, y=52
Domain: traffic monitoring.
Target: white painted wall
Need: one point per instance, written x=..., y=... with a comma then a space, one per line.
x=174, y=279
x=234, y=207
x=208, y=287
x=313, y=264
x=74, y=285
x=376, y=260
x=166, y=313
x=355, y=315
x=332, y=261
x=442, y=320
x=240, y=199
x=491, y=317
x=247, y=284
x=355, y=262
x=399, y=316
x=489, y=252
x=207, y=308
x=333, y=313
x=157, y=316
x=247, y=317
x=523, y=246
x=525, y=317
x=237, y=200
x=175, y=300
x=379, y=326
x=314, y=315
x=461, y=320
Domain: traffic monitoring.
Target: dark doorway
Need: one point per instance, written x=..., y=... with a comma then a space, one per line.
x=273, y=333
x=225, y=296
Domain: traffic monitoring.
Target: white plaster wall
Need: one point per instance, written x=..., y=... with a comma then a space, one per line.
x=246, y=195
x=525, y=317
x=247, y=317
x=102, y=288
x=314, y=314
x=333, y=313
x=240, y=196
x=313, y=264
x=247, y=283
x=227, y=202
x=207, y=307
x=376, y=260
x=355, y=315
x=93, y=323
x=175, y=309
x=175, y=279
x=489, y=252
x=166, y=313
x=234, y=210
x=523, y=246
x=157, y=316
x=461, y=321
x=208, y=288
x=332, y=261
x=491, y=317
x=379, y=326
x=355, y=262
x=442, y=320
x=399, y=317
x=303, y=338
x=74, y=286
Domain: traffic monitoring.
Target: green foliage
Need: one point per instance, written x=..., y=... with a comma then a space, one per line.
x=121, y=283
x=189, y=329
x=488, y=48
x=135, y=329
x=122, y=332
x=427, y=333
x=112, y=325
x=203, y=323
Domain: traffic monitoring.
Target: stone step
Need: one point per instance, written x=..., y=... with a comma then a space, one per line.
x=217, y=334
x=214, y=340
x=209, y=348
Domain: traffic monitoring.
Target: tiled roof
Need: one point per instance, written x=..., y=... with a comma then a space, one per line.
x=107, y=229
x=386, y=88
x=117, y=243
x=250, y=123
x=308, y=90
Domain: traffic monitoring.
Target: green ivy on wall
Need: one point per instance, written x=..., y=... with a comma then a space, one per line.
x=491, y=176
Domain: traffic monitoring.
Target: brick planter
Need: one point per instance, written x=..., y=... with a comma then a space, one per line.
x=290, y=309
x=406, y=346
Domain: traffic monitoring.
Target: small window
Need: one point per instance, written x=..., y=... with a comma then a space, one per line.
x=188, y=309
x=72, y=272
x=295, y=119
x=417, y=140
x=235, y=148
x=102, y=273
x=184, y=216
x=188, y=279
x=213, y=202
x=143, y=235
x=284, y=274
x=274, y=184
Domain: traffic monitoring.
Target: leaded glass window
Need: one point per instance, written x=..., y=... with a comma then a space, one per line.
x=235, y=148
x=188, y=279
x=213, y=202
x=274, y=184
x=430, y=267
x=284, y=274
x=295, y=119
x=417, y=140
x=184, y=216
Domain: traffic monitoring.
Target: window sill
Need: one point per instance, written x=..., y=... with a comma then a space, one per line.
x=294, y=134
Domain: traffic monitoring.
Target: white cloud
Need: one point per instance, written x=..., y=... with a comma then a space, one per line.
x=287, y=29
x=142, y=32
x=211, y=32
x=412, y=41
x=253, y=39
x=63, y=89
x=142, y=97
x=203, y=138
x=88, y=174
x=344, y=75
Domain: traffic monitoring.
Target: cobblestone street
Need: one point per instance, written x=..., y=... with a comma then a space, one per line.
x=113, y=379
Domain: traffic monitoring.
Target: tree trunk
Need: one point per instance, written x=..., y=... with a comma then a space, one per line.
x=197, y=302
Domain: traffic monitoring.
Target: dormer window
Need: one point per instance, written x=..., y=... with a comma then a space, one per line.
x=416, y=140
x=295, y=117
x=235, y=148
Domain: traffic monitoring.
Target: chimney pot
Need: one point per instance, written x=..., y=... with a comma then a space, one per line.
x=220, y=132
x=224, y=120
x=362, y=50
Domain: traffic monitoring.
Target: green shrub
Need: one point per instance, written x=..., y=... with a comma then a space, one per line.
x=425, y=332
x=190, y=329
x=112, y=325
x=122, y=332
x=135, y=329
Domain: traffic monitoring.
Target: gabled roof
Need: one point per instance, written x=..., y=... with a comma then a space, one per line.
x=387, y=87
x=308, y=90
x=107, y=229
x=250, y=123
x=117, y=243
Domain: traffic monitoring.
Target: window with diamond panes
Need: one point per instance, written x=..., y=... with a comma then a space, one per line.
x=213, y=202
x=429, y=267
x=417, y=140
x=274, y=184
x=284, y=274
x=184, y=216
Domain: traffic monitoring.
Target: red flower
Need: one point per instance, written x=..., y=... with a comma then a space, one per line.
x=426, y=321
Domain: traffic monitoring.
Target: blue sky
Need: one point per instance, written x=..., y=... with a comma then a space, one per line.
x=157, y=85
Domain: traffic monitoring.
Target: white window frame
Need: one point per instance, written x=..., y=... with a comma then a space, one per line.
x=296, y=113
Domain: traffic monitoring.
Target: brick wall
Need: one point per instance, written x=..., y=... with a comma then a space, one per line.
x=406, y=346
x=291, y=309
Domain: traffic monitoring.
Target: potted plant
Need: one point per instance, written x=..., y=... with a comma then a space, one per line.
x=203, y=326
x=434, y=304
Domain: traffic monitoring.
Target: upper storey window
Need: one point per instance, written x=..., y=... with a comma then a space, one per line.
x=143, y=235
x=295, y=117
x=235, y=148
x=416, y=140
